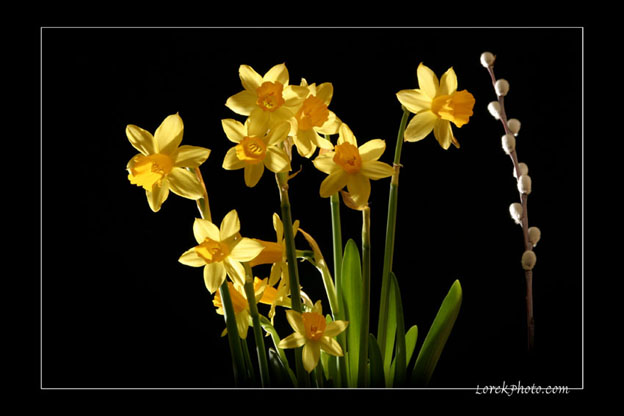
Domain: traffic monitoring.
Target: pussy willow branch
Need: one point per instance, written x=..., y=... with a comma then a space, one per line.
x=524, y=220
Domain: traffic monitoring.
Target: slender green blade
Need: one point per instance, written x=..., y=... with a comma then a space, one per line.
x=352, y=292
x=400, y=355
x=377, y=378
x=410, y=342
x=391, y=330
x=280, y=375
x=437, y=336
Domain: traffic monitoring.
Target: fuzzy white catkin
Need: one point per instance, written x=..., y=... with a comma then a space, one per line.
x=509, y=143
x=514, y=125
x=534, y=235
x=528, y=260
x=524, y=184
x=523, y=168
x=501, y=87
x=515, y=210
x=495, y=109
x=487, y=59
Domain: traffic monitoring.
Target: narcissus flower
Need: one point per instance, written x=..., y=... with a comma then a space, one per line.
x=256, y=148
x=314, y=333
x=220, y=251
x=160, y=166
x=436, y=104
x=268, y=98
x=352, y=166
x=313, y=118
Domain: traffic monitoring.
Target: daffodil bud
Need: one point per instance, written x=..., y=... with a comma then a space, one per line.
x=515, y=210
x=509, y=143
x=528, y=260
x=514, y=125
x=534, y=235
x=487, y=59
x=501, y=87
x=495, y=109
x=524, y=184
x=523, y=168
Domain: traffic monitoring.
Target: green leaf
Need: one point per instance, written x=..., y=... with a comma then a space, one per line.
x=377, y=378
x=352, y=293
x=280, y=375
x=410, y=342
x=400, y=355
x=436, y=337
x=390, y=333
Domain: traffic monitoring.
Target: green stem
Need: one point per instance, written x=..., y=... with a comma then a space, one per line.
x=389, y=245
x=202, y=204
x=293, y=272
x=238, y=360
x=257, y=329
x=337, y=238
x=366, y=265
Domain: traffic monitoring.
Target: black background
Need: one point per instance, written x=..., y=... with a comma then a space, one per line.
x=118, y=310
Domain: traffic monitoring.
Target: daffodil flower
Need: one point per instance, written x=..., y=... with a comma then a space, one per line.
x=220, y=251
x=268, y=98
x=436, y=104
x=314, y=333
x=352, y=166
x=313, y=118
x=256, y=148
x=160, y=166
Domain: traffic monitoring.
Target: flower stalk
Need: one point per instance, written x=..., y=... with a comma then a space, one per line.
x=202, y=204
x=234, y=341
x=389, y=243
x=257, y=329
x=366, y=266
x=293, y=271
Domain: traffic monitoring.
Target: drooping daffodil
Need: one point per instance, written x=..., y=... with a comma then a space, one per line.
x=436, y=104
x=161, y=164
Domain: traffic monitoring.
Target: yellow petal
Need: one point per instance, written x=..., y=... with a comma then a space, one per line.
x=191, y=156
x=375, y=169
x=346, y=135
x=276, y=160
x=249, y=77
x=185, y=184
x=303, y=141
x=443, y=133
x=231, y=160
x=214, y=275
x=296, y=321
x=320, y=141
x=294, y=340
x=331, y=346
x=331, y=125
x=333, y=183
x=414, y=100
x=420, y=126
x=246, y=249
x=242, y=323
x=310, y=355
x=278, y=73
x=427, y=80
x=272, y=253
x=324, y=92
x=334, y=328
x=242, y=103
x=325, y=163
x=191, y=258
x=372, y=149
x=448, y=82
x=141, y=139
x=253, y=173
x=234, y=130
x=230, y=225
x=169, y=134
x=235, y=270
x=359, y=188
x=203, y=229
x=158, y=195
x=278, y=134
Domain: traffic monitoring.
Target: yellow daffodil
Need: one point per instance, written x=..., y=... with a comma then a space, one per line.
x=220, y=251
x=240, y=305
x=352, y=166
x=436, y=104
x=160, y=166
x=268, y=98
x=313, y=118
x=314, y=333
x=256, y=148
